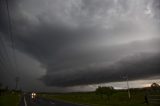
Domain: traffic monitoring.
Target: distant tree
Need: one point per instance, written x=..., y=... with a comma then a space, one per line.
x=108, y=91
x=155, y=85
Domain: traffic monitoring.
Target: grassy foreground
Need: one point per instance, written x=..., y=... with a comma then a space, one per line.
x=119, y=98
x=9, y=100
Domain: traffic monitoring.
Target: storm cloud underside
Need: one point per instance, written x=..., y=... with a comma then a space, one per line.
x=82, y=42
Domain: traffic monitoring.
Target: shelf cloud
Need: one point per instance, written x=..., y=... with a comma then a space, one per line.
x=81, y=42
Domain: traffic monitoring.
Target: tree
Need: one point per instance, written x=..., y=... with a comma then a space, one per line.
x=155, y=85
x=108, y=91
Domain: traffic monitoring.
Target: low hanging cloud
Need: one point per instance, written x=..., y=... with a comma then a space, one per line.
x=81, y=42
x=140, y=66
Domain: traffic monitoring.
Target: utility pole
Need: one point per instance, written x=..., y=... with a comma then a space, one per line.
x=129, y=95
x=126, y=78
x=17, y=80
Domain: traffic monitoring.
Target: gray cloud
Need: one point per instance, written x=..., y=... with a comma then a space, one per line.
x=140, y=66
x=78, y=41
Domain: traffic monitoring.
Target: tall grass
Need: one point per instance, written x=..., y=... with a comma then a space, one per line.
x=119, y=98
x=10, y=100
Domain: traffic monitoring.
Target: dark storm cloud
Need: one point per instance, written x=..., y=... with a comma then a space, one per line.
x=156, y=6
x=140, y=66
x=76, y=41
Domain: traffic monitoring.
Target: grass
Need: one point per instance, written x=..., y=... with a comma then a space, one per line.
x=10, y=100
x=119, y=98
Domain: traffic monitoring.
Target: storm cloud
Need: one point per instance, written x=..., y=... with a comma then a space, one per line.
x=81, y=42
x=142, y=66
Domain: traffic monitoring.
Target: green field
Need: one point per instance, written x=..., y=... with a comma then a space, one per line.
x=119, y=98
x=9, y=100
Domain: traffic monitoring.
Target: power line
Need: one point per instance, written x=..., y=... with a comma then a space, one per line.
x=3, y=45
x=10, y=26
x=4, y=56
x=12, y=40
x=4, y=52
x=11, y=33
x=0, y=3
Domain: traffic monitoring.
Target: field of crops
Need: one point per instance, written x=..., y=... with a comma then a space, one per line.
x=118, y=98
x=9, y=99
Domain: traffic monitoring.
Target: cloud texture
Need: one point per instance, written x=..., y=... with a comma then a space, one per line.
x=81, y=42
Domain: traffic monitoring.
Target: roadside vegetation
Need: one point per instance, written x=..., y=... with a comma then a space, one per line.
x=9, y=97
x=119, y=98
x=103, y=96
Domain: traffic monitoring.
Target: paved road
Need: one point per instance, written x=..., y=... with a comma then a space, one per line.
x=26, y=100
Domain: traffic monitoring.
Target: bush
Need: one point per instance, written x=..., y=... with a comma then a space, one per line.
x=108, y=91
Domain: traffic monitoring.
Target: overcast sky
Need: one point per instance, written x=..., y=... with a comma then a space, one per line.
x=73, y=45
